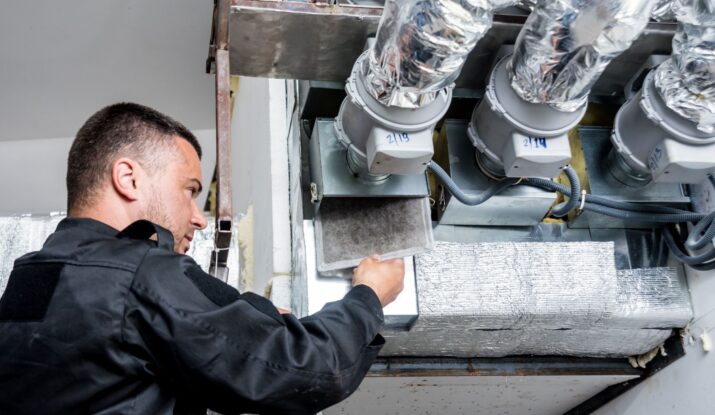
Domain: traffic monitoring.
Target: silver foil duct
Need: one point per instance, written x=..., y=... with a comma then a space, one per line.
x=421, y=46
x=22, y=234
x=686, y=81
x=663, y=10
x=565, y=45
x=500, y=299
x=512, y=285
x=587, y=342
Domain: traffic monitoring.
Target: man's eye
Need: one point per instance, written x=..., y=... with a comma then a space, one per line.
x=193, y=191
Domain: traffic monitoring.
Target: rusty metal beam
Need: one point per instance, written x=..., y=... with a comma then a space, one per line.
x=224, y=207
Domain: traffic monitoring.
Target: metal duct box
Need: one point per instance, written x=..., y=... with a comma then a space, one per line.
x=516, y=206
x=331, y=176
x=322, y=288
x=519, y=298
x=595, y=145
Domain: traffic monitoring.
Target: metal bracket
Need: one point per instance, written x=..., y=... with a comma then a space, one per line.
x=224, y=208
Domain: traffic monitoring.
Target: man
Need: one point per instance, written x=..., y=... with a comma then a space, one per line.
x=111, y=317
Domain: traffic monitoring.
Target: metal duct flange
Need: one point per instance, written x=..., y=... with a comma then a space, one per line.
x=654, y=143
x=385, y=140
x=517, y=138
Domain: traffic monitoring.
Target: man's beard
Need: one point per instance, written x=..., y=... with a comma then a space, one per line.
x=156, y=213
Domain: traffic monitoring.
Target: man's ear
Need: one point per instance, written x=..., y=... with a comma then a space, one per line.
x=125, y=172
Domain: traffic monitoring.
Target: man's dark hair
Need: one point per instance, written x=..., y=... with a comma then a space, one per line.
x=119, y=130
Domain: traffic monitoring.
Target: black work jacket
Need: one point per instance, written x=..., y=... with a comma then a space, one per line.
x=101, y=321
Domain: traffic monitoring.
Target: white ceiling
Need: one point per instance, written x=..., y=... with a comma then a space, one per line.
x=62, y=60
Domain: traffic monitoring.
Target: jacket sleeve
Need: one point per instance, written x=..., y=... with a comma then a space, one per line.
x=234, y=352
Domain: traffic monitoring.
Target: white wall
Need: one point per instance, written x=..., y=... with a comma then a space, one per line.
x=260, y=178
x=60, y=61
x=33, y=172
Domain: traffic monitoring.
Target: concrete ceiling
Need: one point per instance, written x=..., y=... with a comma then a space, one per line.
x=62, y=60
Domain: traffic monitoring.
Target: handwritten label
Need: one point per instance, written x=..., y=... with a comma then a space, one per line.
x=397, y=138
x=654, y=159
x=535, y=142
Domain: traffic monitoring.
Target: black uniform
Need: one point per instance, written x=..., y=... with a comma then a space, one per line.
x=101, y=321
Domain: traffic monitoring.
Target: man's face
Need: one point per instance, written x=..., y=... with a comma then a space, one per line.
x=171, y=196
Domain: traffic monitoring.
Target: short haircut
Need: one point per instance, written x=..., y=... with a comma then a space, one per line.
x=119, y=130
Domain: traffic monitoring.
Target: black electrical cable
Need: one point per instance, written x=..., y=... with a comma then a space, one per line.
x=563, y=209
x=552, y=186
x=703, y=262
x=700, y=237
x=469, y=200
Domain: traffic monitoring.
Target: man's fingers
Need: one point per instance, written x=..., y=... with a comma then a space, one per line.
x=283, y=310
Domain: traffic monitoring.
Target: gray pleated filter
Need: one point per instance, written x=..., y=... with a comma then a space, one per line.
x=350, y=229
x=26, y=233
x=516, y=298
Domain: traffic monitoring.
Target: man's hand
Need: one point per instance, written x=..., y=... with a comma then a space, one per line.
x=386, y=278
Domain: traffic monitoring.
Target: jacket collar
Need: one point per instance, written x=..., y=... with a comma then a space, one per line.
x=73, y=222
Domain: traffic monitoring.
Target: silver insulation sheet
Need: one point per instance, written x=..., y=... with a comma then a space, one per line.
x=513, y=298
x=22, y=234
x=686, y=81
x=421, y=46
x=565, y=45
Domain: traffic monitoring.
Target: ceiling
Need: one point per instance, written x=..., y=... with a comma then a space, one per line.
x=62, y=60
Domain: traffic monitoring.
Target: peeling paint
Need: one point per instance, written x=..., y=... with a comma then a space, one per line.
x=278, y=290
x=246, y=244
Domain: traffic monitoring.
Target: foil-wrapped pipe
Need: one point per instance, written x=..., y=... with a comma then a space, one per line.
x=663, y=11
x=565, y=45
x=528, y=4
x=421, y=46
x=686, y=81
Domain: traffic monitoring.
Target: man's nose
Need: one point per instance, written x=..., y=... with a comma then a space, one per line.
x=198, y=220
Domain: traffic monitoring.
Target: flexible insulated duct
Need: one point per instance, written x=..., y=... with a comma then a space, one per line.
x=565, y=45
x=421, y=46
x=663, y=10
x=686, y=81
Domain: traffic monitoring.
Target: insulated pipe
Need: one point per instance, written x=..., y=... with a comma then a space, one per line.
x=421, y=46
x=565, y=45
x=402, y=85
x=666, y=132
x=686, y=81
x=539, y=93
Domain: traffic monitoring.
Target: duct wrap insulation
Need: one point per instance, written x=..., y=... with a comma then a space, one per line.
x=516, y=298
x=565, y=45
x=686, y=81
x=421, y=46
x=22, y=234
x=663, y=10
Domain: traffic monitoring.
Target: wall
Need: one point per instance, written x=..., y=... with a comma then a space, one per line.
x=260, y=178
x=62, y=60
x=33, y=172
